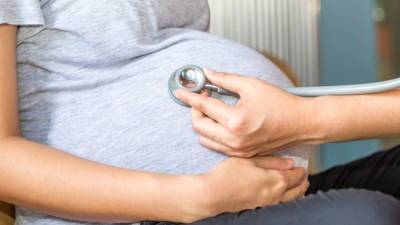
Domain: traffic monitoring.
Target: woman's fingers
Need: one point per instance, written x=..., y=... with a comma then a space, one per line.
x=294, y=177
x=273, y=162
x=214, y=108
x=296, y=192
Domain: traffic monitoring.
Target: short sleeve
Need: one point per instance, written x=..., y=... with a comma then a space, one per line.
x=21, y=12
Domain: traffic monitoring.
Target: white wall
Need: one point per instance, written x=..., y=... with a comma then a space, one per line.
x=287, y=29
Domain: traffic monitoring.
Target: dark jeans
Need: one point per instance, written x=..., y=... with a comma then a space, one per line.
x=378, y=172
x=363, y=192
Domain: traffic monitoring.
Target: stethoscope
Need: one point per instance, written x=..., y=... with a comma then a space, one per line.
x=192, y=78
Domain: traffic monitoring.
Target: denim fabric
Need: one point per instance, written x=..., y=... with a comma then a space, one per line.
x=343, y=207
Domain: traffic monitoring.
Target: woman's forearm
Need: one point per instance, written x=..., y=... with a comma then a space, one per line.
x=56, y=183
x=343, y=118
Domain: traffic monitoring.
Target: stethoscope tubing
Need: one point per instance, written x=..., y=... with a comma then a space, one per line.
x=355, y=89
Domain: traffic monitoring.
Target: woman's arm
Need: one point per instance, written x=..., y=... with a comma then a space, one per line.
x=50, y=181
x=59, y=184
x=268, y=119
x=53, y=182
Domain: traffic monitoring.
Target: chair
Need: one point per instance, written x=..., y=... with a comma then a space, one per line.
x=6, y=214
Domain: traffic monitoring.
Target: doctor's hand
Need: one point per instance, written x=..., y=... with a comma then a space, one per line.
x=265, y=120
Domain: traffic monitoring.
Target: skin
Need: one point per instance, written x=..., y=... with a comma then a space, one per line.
x=268, y=119
x=53, y=182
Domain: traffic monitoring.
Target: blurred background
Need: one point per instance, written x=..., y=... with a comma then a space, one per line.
x=323, y=42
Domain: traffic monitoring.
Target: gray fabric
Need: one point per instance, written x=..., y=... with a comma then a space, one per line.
x=21, y=12
x=93, y=80
x=344, y=207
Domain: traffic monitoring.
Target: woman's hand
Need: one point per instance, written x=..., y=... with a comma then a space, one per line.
x=238, y=184
x=266, y=119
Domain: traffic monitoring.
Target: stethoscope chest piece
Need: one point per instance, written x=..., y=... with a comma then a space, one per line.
x=190, y=78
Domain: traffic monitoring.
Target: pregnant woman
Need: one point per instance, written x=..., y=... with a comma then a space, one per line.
x=102, y=140
x=88, y=133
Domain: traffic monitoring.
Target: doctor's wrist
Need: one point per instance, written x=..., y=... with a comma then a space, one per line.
x=321, y=114
x=314, y=121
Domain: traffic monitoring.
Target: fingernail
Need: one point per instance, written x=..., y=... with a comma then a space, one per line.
x=290, y=162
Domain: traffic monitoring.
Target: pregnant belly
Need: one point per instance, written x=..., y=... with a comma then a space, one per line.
x=127, y=119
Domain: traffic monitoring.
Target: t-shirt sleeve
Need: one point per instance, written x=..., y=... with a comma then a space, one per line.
x=21, y=12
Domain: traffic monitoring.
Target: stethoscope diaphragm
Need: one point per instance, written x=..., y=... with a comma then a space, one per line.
x=192, y=78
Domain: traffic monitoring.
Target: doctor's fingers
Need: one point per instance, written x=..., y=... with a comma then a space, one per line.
x=214, y=108
x=226, y=150
x=212, y=145
x=231, y=82
x=218, y=138
x=210, y=129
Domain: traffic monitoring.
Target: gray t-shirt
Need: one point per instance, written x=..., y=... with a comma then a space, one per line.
x=93, y=80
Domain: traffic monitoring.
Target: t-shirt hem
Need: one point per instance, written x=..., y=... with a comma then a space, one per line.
x=21, y=15
x=21, y=22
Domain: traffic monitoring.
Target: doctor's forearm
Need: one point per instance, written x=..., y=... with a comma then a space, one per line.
x=53, y=182
x=343, y=118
